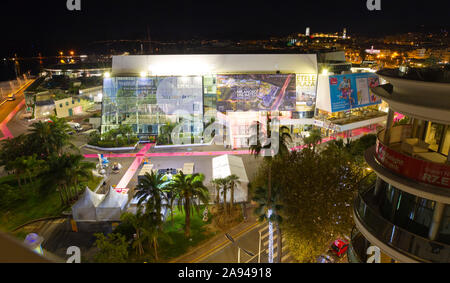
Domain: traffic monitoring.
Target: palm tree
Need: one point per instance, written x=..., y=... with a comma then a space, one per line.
x=152, y=186
x=233, y=180
x=152, y=228
x=136, y=221
x=51, y=136
x=217, y=184
x=59, y=174
x=268, y=209
x=32, y=166
x=80, y=170
x=190, y=187
x=225, y=187
x=60, y=134
x=172, y=193
x=14, y=148
x=41, y=136
x=256, y=149
x=65, y=171
x=314, y=138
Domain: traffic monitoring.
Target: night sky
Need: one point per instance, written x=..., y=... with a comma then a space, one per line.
x=35, y=26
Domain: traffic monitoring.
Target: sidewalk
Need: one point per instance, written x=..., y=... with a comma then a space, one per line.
x=219, y=241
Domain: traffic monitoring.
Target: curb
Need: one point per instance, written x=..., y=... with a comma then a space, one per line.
x=37, y=220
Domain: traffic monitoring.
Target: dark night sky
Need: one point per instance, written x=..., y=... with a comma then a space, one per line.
x=47, y=26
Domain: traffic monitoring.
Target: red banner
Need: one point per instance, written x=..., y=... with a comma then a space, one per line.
x=419, y=170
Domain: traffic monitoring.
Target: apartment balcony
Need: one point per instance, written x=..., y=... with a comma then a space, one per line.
x=398, y=243
x=412, y=158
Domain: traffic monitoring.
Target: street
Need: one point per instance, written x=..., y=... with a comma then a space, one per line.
x=9, y=109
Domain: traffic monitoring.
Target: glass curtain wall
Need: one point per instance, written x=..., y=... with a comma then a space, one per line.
x=406, y=210
x=147, y=103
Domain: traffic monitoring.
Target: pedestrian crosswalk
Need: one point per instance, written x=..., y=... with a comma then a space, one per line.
x=263, y=253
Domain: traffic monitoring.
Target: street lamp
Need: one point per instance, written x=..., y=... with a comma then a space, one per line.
x=228, y=236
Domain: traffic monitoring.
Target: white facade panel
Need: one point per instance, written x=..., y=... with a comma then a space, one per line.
x=162, y=65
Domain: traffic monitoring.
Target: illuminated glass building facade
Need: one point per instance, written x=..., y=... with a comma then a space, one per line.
x=146, y=103
x=149, y=92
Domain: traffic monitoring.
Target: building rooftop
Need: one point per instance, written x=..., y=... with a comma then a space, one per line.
x=438, y=74
x=195, y=64
x=423, y=99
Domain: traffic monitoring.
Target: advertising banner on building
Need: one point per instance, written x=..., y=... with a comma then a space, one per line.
x=256, y=92
x=306, y=85
x=352, y=91
x=413, y=168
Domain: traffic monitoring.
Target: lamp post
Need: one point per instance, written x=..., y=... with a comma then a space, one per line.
x=239, y=248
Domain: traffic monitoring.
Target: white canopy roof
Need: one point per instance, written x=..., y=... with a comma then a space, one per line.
x=114, y=199
x=85, y=208
x=112, y=206
x=226, y=165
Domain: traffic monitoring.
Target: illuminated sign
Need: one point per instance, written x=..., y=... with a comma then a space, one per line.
x=352, y=91
x=306, y=89
x=416, y=169
x=254, y=92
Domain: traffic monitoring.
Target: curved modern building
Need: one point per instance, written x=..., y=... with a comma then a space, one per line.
x=405, y=211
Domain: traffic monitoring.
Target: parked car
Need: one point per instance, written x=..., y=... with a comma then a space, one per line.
x=75, y=126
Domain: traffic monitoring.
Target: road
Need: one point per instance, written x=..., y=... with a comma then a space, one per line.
x=9, y=106
x=8, y=109
x=254, y=239
x=229, y=252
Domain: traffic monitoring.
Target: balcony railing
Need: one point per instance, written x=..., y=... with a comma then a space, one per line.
x=401, y=240
x=413, y=161
x=357, y=249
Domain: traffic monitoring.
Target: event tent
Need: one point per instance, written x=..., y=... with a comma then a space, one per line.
x=112, y=206
x=226, y=165
x=85, y=208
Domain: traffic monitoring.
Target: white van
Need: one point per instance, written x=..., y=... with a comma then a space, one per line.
x=75, y=126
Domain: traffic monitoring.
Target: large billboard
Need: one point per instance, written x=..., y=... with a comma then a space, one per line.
x=256, y=92
x=306, y=89
x=352, y=91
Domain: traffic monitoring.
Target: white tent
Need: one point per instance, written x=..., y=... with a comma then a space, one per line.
x=226, y=165
x=112, y=206
x=85, y=208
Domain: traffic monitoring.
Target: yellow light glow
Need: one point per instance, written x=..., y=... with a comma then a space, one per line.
x=143, y=74
x=325, y=72
x=107, y=75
